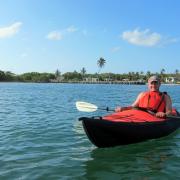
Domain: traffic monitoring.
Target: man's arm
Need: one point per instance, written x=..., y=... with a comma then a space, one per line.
x=134, y=104
x=168, y=108
x=168, y=105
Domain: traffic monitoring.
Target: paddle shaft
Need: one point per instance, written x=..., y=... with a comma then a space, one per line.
x=106, y=109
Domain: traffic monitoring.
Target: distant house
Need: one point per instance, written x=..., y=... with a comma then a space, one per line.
x=89, y=79
x=108, y=79
x=141, y=80
x=58, y=79
x=125, y=80
x=170, y=80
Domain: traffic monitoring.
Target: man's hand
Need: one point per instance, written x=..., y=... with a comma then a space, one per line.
x=161, y=114
x=119, y=109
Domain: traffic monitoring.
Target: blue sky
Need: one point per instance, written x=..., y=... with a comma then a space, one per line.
x=132, y=35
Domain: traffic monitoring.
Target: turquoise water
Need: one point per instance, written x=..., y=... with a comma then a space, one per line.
x=41, y=137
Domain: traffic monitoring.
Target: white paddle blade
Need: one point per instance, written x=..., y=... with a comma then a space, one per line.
x=86, y=107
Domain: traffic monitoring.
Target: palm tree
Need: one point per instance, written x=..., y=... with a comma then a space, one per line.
x=162, y=71
x=177, y=74
x=148, y=74
x=101, y=62
x=162, y=74
x=142, y=75
x=176, y=71
x=130, y=76
x=57, y=73
x=83, y=72
x=137, y=76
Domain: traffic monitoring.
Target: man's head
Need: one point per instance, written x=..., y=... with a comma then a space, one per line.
x=154, y=83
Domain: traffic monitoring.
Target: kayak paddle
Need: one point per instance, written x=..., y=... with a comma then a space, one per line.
x=88, y=107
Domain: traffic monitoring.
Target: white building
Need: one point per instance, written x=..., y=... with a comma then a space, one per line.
x=170, y=80
x=89, y=79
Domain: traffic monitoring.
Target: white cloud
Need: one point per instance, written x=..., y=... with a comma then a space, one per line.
x=55, y=35
x=115, y=49
x=59, y=35
x=142, y=38
x=71, y=29
x=168, y=40
x=9, y=31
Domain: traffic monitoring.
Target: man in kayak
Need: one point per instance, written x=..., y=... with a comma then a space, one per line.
x=152, y=100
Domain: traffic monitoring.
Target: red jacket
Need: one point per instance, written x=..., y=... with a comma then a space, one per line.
x=154, y=101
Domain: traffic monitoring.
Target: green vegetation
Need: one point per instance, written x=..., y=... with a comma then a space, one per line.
x=82, y=76
x=26, y=77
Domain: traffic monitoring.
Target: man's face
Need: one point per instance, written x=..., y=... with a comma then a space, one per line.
x=153, y=85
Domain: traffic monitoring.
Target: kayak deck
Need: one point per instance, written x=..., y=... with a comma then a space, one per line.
x=132, y=116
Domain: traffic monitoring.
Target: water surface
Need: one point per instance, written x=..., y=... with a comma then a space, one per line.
x=41, y=137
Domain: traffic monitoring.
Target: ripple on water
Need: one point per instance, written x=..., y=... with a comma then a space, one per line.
x=41, y=137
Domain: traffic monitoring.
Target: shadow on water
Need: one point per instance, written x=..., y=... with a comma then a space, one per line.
x=147, y=160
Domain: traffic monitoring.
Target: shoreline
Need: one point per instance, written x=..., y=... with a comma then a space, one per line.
x=102, y=82
x=91, y=82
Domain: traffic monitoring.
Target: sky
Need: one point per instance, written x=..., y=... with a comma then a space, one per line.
x=131, y=35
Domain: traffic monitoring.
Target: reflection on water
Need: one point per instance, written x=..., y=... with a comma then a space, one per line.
x=136, y=161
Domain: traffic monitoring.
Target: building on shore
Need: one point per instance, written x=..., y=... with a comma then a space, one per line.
x=170, y=80
x=92, y=80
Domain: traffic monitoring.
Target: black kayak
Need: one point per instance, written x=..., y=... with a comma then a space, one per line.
x=127, y=127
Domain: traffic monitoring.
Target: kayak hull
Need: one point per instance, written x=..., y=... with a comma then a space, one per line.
x=105, y=133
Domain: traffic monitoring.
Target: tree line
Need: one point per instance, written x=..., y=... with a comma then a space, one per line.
x=82, y=75
x=7, y=76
